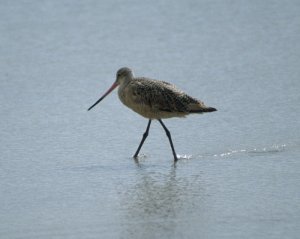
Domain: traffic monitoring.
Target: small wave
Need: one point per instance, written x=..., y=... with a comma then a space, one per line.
x=142, y=156
x=229, y=153
x=254, y=151
x=267, y=150
x=184, y=156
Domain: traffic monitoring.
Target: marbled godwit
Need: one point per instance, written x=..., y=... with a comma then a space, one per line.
x=154, y=99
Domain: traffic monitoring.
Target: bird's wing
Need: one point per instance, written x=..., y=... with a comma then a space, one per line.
x=161, y=96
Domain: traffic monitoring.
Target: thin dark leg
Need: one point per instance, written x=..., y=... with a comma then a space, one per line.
x=170, y=139
x=143, y=139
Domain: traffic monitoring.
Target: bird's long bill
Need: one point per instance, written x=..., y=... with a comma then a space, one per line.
x=109, y=90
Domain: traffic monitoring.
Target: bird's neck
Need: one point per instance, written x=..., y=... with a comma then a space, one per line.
x=124, y=83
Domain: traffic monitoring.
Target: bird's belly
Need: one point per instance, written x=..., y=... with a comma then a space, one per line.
x=149, y=112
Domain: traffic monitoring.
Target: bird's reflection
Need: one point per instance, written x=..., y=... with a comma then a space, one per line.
x=154, y=203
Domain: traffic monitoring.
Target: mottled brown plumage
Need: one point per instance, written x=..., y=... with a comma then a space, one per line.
x=154, y=99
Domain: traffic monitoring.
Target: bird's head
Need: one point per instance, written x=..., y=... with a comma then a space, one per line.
x=123, y=76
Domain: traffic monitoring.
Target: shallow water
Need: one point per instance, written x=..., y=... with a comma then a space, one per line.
x=68, y=173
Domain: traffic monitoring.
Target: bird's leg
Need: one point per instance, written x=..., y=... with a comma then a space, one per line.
x=143, y=139
x=170, y=139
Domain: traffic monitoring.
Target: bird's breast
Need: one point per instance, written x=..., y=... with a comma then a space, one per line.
x=129, y=98
x=124, y=95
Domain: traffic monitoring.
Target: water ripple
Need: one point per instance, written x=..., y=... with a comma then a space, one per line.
x=236, y=152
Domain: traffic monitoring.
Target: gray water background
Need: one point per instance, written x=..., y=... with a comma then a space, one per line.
x=68, y=173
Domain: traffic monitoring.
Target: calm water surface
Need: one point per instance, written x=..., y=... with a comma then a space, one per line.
x=68, y=173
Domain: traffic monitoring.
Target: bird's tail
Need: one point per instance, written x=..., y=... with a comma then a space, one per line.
x=203, y=110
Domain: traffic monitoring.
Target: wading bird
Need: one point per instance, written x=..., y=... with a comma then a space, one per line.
x=154, y=99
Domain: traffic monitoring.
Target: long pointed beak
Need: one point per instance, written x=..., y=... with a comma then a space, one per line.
x=109, y=90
